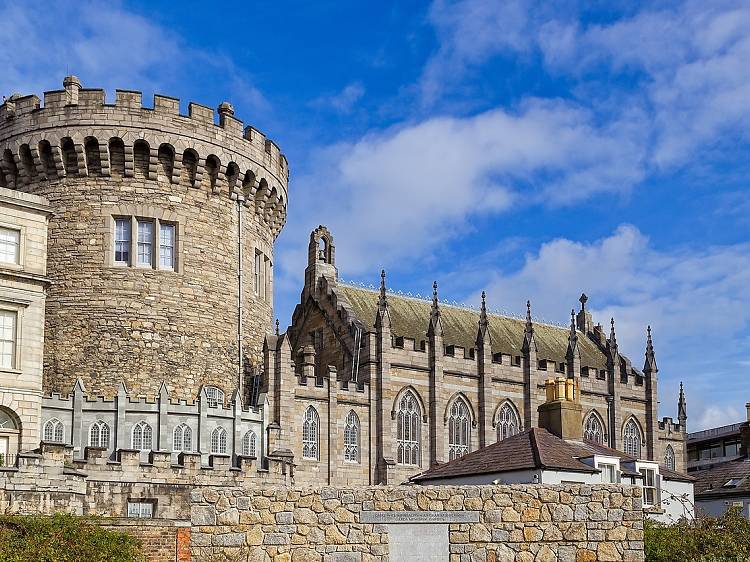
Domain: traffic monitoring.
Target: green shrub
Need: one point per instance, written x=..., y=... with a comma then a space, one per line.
x=707, y=539
x=63, y=538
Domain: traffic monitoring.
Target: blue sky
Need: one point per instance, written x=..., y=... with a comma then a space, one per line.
x=533, y=150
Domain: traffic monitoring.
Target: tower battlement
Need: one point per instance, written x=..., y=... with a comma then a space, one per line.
x=75, y=133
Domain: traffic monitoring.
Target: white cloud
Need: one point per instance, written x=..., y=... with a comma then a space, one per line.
x=416, y=185
x=344, y=101
x=697, y=300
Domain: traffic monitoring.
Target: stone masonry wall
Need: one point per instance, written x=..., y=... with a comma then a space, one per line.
x=521, y=523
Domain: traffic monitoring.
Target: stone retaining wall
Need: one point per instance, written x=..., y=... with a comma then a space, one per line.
x=520, y=523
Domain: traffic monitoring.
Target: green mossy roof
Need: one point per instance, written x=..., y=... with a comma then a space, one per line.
x=410, y=318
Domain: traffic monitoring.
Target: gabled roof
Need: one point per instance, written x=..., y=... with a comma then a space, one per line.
x=532, y=449
x=724, y=480
x=410, y=318
x=535, y=449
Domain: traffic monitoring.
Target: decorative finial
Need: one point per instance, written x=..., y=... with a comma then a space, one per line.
x=612, y=335
x=682, y=407
x=484, y=303
x=572, y=321
x=277, y=326
x=383, y=299
x=583, y=300
x=434, y=294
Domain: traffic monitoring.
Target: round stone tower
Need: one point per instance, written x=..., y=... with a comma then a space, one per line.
x=160, y=250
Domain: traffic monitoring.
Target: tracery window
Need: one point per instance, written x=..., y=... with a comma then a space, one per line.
x=507, y=422
x=408, y=430
x=99, y=434
x=182, y=439
x=54, y=431
x=351, y=437
x=142, y=436
x=669, y=460
x=459, y=429
x=593, y=429
x=311, y=434
x=219, y=441
x=631, y=439
x=214, y=397
x=249, y=444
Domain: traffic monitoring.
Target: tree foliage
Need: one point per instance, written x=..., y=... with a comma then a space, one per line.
x=706, y=539
x=63, y=538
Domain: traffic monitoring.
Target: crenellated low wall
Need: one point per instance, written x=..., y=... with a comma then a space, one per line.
x=520, y=523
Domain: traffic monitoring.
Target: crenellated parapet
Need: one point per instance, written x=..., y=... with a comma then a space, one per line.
x=75, y=133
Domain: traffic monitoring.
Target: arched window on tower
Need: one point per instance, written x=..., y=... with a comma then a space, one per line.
x=219, y=441
x=408, y=430
x=182, y=439
x=141, y=159
x=166, y=162
x=508, y=423
x=142, y=436
x=669, y=459
x=116, y=157
x=99, y=434
x=54, y=431
x=249, y=444
x=351, y=437
x=459, y=429
x=311, y=434
x=93, y=156
x=593, y=428
x=70, y=158
x=48, y=161
x=631, y=439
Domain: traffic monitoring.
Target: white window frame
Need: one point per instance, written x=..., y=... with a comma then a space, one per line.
x=649, y=484
x=257, y=272
x=219, y=441
x=147, y=242
x=409, y=430
x=459, y=429
x=14, y=244
x=99, y=433
x=9, y=338
x=311, y=435
x=142, y=435
x=250, y=444
x=119, y=240
x=182, y=439
x=170, y=246
x=141, y=509
x=54, y=431
x=214, y=396
x=351, y=437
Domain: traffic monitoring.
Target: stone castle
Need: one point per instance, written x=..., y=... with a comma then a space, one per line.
x=136, y=256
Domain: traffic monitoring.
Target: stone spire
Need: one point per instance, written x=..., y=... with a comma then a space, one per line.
x=682, y=408
x=436, y=326
x=484, y=323
x=382, y=315
x=572, y=335
x=612, y=341
x=528, y=332
x=650, y=365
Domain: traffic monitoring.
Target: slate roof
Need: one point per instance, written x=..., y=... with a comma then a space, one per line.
x=535, y=449
x=410, y=318
x=713, y=482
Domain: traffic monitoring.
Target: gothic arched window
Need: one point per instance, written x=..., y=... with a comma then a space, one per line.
x=669, y=461
x=508, y=423
x=311, y=434
x=249, y=446
x=219, y=441
x=593, y=429
x=631, y=439
x=54, y=431
x=459, y=429
x=183, y=439
x=408, y=430
x=142, y=436
x=99, y=434
x=351, y=437
x=214, y=397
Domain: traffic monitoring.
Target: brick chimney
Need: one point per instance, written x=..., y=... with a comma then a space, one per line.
x=745, y=434
x=561, y=414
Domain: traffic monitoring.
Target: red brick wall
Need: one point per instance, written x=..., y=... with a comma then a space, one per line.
x=162, y=541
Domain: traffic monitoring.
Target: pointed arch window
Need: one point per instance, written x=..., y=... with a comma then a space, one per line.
x=219, y=441
x=311, y=435
x=508, y=423
x=408, y=430
x=249, y=444
x=99, y=434
x=459, y=429
x=351, y=437
x=54, y=431
x=631, y=439
x=182, y=439
x=669, y=458
x=593, y=429
x=142, y=437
